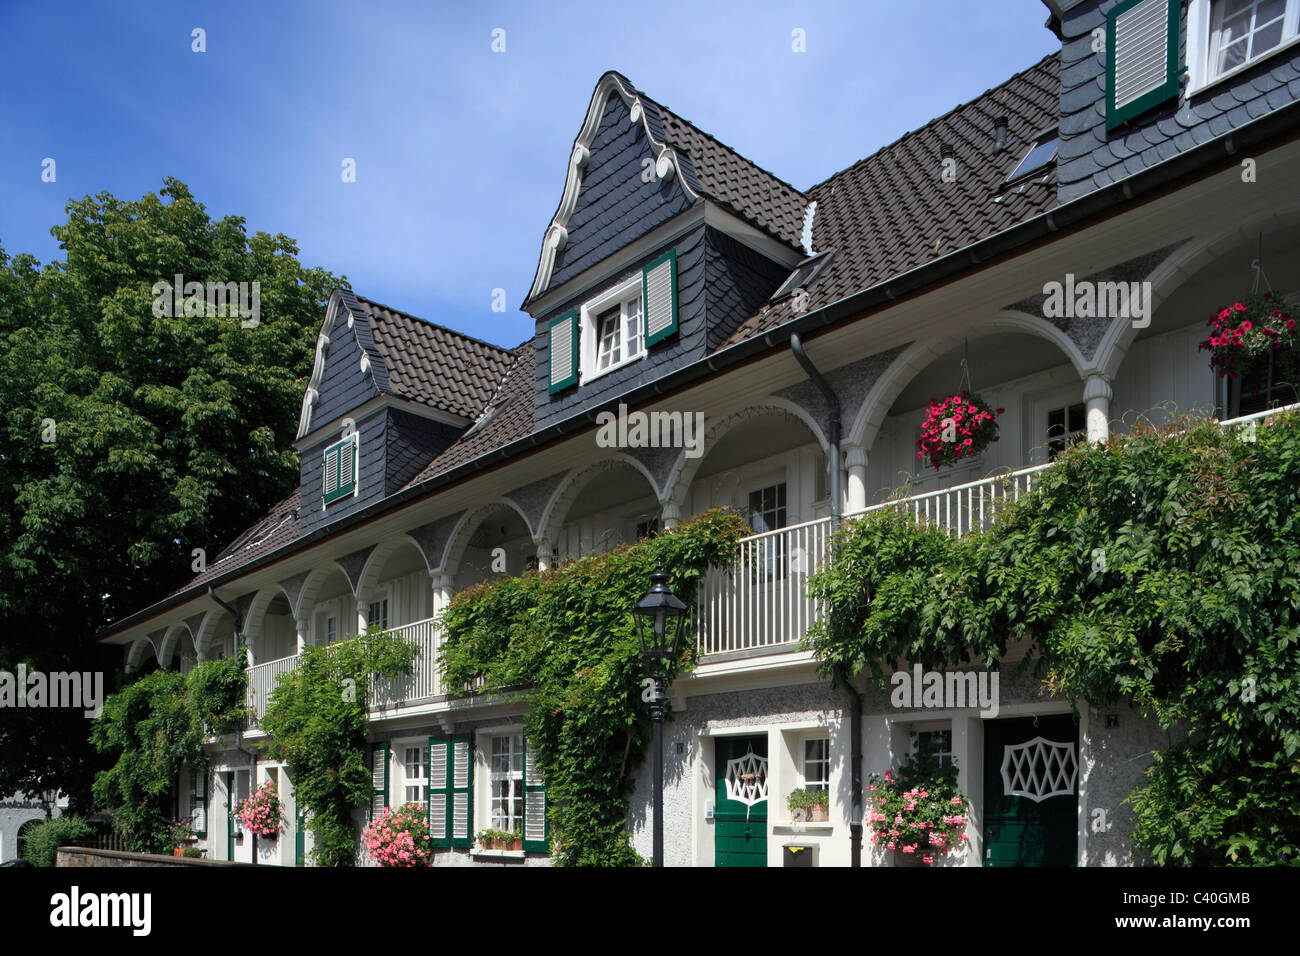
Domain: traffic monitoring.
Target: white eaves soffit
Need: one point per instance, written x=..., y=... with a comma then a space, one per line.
x=667, y=164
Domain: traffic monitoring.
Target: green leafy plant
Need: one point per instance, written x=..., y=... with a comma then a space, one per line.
x=154, y=729
x=316, y=722
x=563, y=641
x=803, y=799
x=44, y=839
x=192, y=853
x=1159, y=568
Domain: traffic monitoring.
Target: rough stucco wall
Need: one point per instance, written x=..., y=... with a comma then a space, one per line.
x=1113, y=762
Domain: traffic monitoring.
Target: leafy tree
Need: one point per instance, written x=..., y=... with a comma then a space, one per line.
x=129, y=439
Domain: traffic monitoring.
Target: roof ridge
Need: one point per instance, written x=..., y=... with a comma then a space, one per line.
x=912, y=132
x=432, y=324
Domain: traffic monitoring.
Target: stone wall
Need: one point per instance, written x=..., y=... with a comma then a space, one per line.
x=84, y=856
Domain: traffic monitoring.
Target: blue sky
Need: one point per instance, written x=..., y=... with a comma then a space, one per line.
x=460, y=152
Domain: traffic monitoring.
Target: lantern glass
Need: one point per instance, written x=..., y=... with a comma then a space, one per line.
x=660, y=617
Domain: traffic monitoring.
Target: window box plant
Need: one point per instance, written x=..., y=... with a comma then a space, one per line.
x=501, y=839
x=919, y=813
x=814, y=804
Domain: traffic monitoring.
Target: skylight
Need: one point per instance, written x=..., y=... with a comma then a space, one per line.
x=1040, y=154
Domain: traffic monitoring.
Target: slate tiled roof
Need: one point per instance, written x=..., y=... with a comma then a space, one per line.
x=277, y=529
x=883, y=216
x=891, y=212
x=508, y=417
x=434, y=365
x=734, y=182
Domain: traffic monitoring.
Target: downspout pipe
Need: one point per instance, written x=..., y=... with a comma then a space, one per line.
x=239, y=729
x=837, y=517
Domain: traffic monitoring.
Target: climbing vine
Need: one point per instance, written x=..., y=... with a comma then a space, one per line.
x=155, y=728
x=564, y=641
x=1161, y=568
x=316, y=722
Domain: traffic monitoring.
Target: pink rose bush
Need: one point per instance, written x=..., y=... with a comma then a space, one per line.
x=1245, y=332
x=957, y=427
x=920, y=813
x=399, y=836
x=260, y=813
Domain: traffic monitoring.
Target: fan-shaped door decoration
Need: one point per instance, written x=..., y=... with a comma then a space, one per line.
x=747, y=780
x=1038, y=769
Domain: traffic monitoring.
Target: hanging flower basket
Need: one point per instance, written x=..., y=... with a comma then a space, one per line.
x=959, y=426
x=1246, y=333
x=919, y=813
x=260, y=813
x=399, y=837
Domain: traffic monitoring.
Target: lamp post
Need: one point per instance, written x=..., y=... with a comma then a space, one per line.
x=660, y=616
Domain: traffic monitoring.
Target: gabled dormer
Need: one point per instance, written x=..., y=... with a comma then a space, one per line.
x=664, y=241
x=388, y=393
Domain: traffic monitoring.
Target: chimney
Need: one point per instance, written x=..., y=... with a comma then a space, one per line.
x=1000, y=133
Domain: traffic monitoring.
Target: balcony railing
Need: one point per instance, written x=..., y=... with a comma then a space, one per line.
x=421, y=683
x=762, y=602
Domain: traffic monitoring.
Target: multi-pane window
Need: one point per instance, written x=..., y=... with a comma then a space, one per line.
x=817, y=763
x=378, y=613
x=618, y=331
x=415, y=771
x=506, y=771
x=1065, y=426
x=937, y=743
x=1245, y=30
x=767, y=512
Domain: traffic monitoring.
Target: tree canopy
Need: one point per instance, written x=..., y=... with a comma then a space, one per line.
x=131, y=438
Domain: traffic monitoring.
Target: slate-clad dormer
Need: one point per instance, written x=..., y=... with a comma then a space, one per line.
x=388, y=393
x=664, y=241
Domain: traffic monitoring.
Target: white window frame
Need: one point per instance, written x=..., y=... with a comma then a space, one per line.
x=421, y=746
x=494, y=776
x=1200, y=37
x=936, y=726
x=804, y=782
x=589, y=335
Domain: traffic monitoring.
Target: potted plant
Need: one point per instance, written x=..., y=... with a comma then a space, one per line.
x=488, y=839
x=399, y=836
x=261, y=812
x=516, y=839
x=180, y=832
x=919, y=813
x=960, y=426
x=814, y=804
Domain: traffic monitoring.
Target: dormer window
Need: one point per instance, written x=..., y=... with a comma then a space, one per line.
x=339, y=475
x=615, y=328
x=618, y=333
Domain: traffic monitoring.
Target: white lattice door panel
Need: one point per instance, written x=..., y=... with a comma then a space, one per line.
x=747, y=780
x=1038, y=769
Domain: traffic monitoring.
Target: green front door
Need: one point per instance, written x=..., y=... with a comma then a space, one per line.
x=740, y=803
x=1031, y=791
x=230, y=816
x=299, y=840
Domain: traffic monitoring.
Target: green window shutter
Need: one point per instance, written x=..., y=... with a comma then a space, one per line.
x=461, y=814
x=378, y=778
x=199, y=783
x=1141, y=57
x=562, y=347
x=439, y=792
x=537, y=826
x=659, y=293
x=339, y=478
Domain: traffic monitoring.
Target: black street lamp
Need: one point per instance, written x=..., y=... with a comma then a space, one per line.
x=660, y=619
